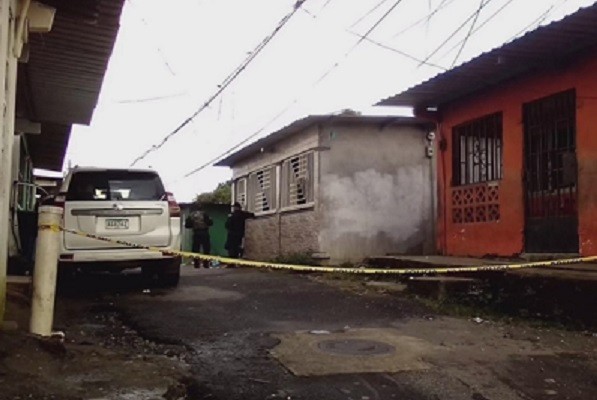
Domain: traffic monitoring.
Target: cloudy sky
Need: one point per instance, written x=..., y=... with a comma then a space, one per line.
x=168, y=61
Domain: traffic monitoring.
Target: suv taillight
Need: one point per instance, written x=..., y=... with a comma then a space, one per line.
x=173, y=206
x=59, y=200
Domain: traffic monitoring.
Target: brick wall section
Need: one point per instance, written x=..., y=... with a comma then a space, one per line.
x=261, y=238
x=299, y=232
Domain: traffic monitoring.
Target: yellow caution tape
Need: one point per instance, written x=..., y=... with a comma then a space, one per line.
x=50, y=227
x=309, y=268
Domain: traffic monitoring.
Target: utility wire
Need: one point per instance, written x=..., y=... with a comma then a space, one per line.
x=442, y=5
x=362, y=38
x=244, y=141
x=400, y=52
x=480, y=26
x=454, y=33
x=371, y=11
x=149, y=99
x=327, y=3
x=375, y=25
x=538, y=21
x=317, y=82
x=241, y=143
x=468, y=34
x=229, y=79
x=159, y=49
x=384, y=46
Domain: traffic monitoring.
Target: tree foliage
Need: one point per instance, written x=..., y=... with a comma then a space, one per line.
x=221, y=195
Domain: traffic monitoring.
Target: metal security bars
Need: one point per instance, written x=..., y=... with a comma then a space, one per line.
x=297, y=180
x=550, y=151
x=262, y=189
x=477, y=151
x=551, y=174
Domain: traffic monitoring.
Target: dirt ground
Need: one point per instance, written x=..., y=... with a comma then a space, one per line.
x=244, y=334
x=99, y=358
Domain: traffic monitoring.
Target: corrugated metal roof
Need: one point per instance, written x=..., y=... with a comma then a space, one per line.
x=60, y=84
x=47, y=149
x=544, y=47
x=306, y=122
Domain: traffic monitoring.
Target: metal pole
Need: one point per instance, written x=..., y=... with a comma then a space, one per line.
x=44, y=274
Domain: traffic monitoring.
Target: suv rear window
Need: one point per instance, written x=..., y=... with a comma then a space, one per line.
x=115, y=186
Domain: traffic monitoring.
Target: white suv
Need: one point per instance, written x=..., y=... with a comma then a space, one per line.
x=122, y=204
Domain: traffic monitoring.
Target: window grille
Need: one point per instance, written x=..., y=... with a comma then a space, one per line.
x=262, y=190
x=477, y=151
x=550, y=156
x=297, y=180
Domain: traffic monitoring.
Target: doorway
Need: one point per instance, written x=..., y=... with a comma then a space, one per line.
x=550, y=176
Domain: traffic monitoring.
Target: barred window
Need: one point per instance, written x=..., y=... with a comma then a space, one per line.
x=240, y=192
x=262, y=190
x=477, y=151
x=298, y=180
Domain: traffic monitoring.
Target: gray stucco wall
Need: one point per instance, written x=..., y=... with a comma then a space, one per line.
x=376, y=189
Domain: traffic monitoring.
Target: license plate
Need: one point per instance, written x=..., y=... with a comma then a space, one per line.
x=117, y=223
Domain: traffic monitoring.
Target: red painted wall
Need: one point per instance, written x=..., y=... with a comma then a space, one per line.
x=505, y=237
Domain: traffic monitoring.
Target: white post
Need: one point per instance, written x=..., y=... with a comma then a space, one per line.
x=6, y=142
x=46, y=267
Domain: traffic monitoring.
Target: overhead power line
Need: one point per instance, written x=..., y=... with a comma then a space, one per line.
x=150, y=99
x=371, y=11
x=542, y=17
x=158, y=48
x=241, y=143
x=539, y=20
x=362, y=38
x=225, y=83
x=295, y=100
x=426, y=18
x=468, y=34
x=382, y=45
x=479, y=27
x=455, y=32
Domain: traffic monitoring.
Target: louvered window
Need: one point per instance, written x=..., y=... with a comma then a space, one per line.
x=262, y=190
x=240, y=192
x=298, y=180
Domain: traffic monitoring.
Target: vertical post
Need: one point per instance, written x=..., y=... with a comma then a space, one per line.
x=45, y=272
x=6, y=143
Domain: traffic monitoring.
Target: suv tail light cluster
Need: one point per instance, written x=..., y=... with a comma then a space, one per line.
x=173, y=206
x=58, y=200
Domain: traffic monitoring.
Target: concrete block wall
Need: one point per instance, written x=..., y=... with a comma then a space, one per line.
x=287, y=233
x=262, y=238
x=299, y=232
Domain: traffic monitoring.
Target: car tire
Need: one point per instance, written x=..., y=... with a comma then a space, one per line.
x=170, y=274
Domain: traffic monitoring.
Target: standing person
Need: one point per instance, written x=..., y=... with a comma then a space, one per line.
x=199, y=222
x=235, y=225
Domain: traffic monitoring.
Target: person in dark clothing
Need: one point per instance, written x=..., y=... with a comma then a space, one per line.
x=235, y=225
x=200, y=222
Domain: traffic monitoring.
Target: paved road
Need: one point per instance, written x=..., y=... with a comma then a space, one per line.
x=236, y=320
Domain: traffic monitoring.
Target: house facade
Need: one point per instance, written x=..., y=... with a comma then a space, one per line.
x=517, y=164
x=338, y=188
x=53, y=56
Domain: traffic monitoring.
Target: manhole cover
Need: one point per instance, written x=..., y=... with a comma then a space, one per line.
x=355, y=347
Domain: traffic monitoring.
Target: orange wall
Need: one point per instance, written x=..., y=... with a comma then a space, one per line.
x=505, y=237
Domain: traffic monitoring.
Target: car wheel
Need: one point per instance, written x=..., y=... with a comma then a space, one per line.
x=170, y=275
